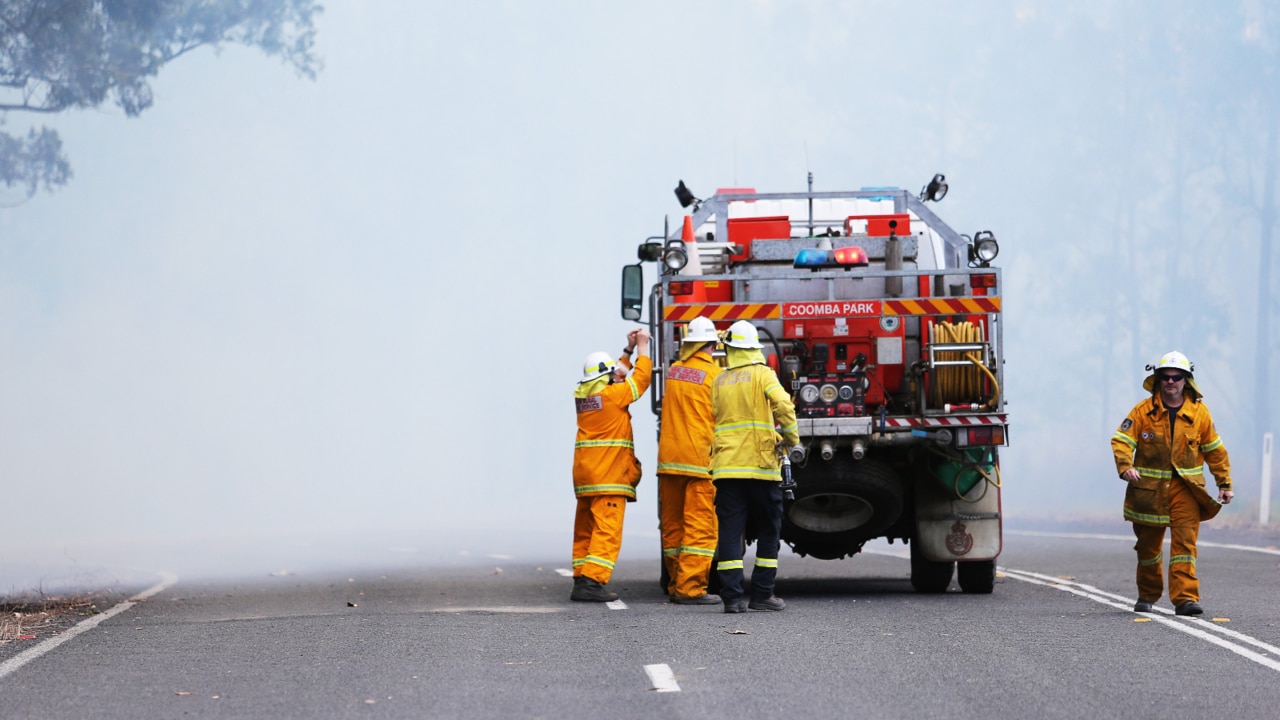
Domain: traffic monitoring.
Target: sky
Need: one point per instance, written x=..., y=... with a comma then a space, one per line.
x=276, y=323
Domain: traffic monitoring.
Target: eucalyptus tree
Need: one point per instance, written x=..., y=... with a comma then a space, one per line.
x=62, y=55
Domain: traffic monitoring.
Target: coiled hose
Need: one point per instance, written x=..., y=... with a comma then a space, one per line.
x=957, y=384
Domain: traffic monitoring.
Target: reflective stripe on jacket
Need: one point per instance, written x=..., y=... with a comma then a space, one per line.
x=688, y=424
x=748, y=401
x=604, y=458
x=1142, y=442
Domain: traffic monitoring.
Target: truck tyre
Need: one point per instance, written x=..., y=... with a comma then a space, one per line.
x=839, y=505
x=976, y=577
x=928, y=576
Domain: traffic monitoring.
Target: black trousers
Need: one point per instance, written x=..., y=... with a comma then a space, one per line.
x=739, y=501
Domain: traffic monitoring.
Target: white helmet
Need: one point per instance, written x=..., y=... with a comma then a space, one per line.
x=1173, y=361
x=1177, y=361
x=700, y=330
x=743, y=334
x=597, y=364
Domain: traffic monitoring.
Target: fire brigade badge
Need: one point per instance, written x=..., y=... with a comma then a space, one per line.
x=959, y=542
x=1126, y=424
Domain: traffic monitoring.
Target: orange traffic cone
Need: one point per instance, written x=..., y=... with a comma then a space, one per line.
x=694, y=266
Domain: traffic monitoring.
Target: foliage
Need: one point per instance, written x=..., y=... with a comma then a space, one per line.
x=58, y=55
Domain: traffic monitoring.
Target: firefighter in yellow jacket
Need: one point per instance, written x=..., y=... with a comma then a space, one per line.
x=686, y=495
x=1161, y=449
x=605, y=468
x=749, y=402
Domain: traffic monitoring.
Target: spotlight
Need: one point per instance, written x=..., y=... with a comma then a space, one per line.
x=675, y=256
x=935, y=190
x=984, y=249
x=686, y=197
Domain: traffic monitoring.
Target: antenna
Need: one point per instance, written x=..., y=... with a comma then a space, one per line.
x=806, y=166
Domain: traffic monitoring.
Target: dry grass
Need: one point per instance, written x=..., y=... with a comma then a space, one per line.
x=42, y=615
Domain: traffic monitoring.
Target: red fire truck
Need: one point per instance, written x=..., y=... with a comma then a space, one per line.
x=885, y=323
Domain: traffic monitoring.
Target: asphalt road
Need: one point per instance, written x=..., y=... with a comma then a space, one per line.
x=500, y=639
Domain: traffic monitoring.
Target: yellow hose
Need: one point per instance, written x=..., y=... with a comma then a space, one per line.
x=959, y=384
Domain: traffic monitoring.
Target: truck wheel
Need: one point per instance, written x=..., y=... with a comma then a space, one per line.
x=841, y=503
x=977, y=577
x=928, y=576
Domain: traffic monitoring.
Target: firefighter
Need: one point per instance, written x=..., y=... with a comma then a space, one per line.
x=1160, y=450
x=686, y=495
x=748, y=402
x=605, y=468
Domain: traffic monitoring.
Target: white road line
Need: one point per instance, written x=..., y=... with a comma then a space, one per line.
x=1129, y=538
x=661, y=678
x=616, y=605
x=1091, y=593
x=26, y=656
x=1124, y=603
x=564, y=572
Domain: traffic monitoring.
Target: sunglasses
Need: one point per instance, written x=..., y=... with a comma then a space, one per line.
x=1172, y=378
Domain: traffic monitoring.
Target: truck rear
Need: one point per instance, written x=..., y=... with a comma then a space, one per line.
x=885, y=324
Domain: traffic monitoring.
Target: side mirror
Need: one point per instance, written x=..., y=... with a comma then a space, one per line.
x=632, y=291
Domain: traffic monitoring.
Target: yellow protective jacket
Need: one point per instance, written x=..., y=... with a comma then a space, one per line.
x=604, y=455
x=688, y=424
x=1143, y=442
x=747, y=401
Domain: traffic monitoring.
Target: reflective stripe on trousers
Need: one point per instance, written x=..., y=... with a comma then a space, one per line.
x=738, y=500
x=1184, y=530
x=687, y=515
x=597, y=535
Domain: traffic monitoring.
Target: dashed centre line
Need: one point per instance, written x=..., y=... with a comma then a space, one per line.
x=661, y=678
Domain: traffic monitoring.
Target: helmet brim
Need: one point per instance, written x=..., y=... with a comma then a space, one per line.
x=1150, y=384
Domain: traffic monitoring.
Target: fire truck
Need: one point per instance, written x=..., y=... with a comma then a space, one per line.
x=885, y=325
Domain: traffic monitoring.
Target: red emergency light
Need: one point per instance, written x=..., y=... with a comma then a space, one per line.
x=852, y=255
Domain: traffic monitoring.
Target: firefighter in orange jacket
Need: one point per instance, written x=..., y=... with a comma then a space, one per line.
x=1161, y=449
x=605, y=468
x=748, y=402
x=686, y=495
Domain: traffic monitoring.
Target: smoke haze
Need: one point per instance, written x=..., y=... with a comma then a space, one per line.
x=274, y=324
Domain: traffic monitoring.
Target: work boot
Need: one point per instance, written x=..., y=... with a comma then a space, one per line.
x=1143, y=606
x=707, y=599
x=735, y=606
x=1190, y=607
x=769, y=603
x=591, y=591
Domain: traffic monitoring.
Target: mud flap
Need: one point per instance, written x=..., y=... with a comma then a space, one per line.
x=957, y=528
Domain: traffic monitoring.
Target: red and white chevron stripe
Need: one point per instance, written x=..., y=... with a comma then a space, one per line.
x=946, y=421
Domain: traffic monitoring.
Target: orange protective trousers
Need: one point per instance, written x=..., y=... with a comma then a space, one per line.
x=597, y=535
x=1184, y=529
x=687, y=515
